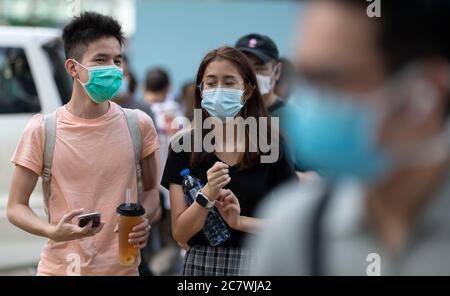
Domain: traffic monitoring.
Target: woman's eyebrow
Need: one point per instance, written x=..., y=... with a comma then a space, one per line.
x=230, y=77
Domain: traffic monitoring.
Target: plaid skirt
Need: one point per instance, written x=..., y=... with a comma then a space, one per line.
x=216, y=261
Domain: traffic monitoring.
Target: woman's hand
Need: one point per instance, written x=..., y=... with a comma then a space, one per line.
x=229, y=208
x=217, y=178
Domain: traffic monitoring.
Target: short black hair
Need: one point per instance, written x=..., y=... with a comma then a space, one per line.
x=156, y=80
x=86, y=28
x=410, y=31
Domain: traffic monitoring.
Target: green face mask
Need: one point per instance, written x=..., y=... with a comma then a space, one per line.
x=103, y=83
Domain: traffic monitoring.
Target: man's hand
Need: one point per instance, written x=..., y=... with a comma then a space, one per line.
x=65, y=230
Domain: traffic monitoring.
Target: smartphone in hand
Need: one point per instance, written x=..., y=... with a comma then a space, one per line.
x=84, y=219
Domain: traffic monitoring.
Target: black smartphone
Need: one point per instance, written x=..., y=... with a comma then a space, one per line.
x=84, y=219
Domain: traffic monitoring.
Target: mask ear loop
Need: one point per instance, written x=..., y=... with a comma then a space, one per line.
x=418, y=99
x=422, y=102
x=79, y=64
x=200, y=88
x=78, y=78
x=437, y=148
x=248, y=94
x=275, y=71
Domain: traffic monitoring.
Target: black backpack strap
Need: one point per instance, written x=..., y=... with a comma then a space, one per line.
x=316, y=235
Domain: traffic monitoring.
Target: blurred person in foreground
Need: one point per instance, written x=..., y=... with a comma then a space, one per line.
x=372, y=112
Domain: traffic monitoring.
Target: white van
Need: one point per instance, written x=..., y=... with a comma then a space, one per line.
x=32, y=80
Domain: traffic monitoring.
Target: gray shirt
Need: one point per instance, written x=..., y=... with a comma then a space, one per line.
x=350, y=245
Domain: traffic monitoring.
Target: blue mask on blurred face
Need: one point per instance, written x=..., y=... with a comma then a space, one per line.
x=334, y=134
x=338, y=134
x=222, y=103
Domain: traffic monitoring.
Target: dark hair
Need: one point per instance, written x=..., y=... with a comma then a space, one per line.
x=85, y=29
x=409, y=31
x=253, y=107
x=414, y=29
x=187, y=98
x=156, y=80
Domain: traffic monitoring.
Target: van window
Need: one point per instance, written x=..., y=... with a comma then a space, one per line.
x=17, y=89
x=55, y=53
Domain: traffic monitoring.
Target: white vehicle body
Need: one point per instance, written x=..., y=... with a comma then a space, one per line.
x=27, y=56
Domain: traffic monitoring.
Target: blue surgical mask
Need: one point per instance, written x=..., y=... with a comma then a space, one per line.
x=103, y=83
x=222, y=103
x=334, y=134
x=338, y=133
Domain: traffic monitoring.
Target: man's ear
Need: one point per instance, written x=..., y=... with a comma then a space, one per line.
x=70, y=68
x=278, y=69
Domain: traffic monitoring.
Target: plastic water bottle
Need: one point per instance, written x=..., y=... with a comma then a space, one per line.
x=214, y=229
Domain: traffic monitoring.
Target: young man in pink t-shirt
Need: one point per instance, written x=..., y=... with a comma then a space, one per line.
x=93, y=160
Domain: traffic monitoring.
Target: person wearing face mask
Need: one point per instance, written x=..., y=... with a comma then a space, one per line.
x=226, y=89
x=263, y=53
x=372, y=112
x=92, y=162
x=264, y=56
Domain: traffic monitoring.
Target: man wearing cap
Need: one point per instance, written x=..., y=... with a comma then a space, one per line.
x=263, y=53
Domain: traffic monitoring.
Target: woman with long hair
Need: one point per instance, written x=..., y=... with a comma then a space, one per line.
x=235, y=178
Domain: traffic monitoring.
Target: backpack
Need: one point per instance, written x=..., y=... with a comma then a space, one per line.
x=132, y=120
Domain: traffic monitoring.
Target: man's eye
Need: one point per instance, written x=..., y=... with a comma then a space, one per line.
x=100, y=60
x=118, y=63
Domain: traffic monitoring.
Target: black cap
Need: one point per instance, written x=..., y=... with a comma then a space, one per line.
x=132, y=210
x=260, y=45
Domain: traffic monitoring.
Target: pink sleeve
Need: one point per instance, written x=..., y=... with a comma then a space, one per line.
x=30, y=150
x=149, y=136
